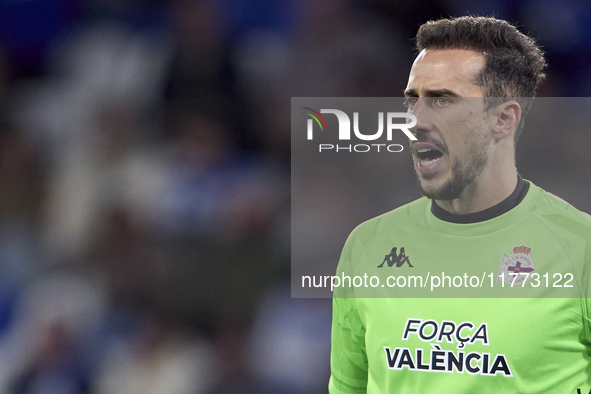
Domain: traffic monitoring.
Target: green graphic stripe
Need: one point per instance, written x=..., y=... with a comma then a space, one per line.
x=315, y=118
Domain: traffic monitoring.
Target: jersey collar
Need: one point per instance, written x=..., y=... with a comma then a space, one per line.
x=490, y=213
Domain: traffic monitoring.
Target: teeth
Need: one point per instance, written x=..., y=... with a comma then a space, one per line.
x=427, y=163
x=423, y=150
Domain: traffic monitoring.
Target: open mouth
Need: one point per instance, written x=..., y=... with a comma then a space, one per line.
x=428, y=157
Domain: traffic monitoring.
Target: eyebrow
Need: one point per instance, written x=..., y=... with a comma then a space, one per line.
x=432, y=93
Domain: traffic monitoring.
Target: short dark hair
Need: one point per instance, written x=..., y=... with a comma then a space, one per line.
x=514, y=63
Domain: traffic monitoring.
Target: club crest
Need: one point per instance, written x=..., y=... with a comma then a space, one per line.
x=513, y=268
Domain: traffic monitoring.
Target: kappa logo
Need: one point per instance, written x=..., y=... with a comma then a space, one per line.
x=398, y=259
x=515, y=269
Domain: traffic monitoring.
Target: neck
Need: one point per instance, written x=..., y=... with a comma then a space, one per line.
x=482, y=194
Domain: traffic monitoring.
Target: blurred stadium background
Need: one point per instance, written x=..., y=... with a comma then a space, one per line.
x=145, y=179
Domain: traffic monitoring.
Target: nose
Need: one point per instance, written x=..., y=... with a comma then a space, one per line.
x=424, y=114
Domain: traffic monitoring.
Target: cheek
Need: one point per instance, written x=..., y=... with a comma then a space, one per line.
x=460, y=149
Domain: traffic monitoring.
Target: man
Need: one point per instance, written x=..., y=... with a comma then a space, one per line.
x=469, y=88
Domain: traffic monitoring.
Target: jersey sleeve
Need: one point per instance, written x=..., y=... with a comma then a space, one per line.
x=348, y=358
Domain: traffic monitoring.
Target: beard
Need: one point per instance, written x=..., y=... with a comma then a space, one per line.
x=462, y=175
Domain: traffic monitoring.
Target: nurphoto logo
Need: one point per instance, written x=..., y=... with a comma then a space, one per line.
x=344, y=130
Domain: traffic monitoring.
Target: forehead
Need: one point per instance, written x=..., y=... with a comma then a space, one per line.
x=445, y=69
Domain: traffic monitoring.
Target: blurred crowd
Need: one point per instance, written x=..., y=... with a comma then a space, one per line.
x=145, y=180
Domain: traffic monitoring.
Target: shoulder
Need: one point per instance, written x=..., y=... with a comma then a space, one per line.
x=569, y=226
x=558, y=213
x=407, y=216
x=372, y=233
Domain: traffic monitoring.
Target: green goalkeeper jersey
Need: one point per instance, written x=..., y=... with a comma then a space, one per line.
x=496, y=306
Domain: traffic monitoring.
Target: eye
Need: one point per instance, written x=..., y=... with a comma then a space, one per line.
x=442, y=101
x=410, y=102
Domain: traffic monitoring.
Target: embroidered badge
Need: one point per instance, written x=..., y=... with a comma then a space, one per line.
x=516, y=269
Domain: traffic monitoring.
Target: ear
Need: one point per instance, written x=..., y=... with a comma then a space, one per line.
x=506, y=119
